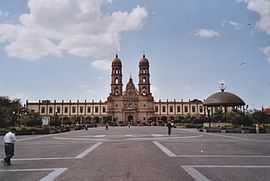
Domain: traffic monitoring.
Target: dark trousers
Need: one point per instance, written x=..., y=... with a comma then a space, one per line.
x=9, y=150
x=169, y=130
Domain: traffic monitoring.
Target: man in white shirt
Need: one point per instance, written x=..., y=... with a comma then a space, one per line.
x=9, y=141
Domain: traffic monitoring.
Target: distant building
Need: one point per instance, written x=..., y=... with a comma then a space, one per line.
x=129, y=105
x=266, y=110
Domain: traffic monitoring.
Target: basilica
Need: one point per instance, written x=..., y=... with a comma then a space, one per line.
x=129, y=104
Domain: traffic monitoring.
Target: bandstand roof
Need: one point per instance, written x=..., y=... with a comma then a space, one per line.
x=223, y=99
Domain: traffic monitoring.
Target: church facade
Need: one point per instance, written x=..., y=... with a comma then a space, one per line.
x=129, y=105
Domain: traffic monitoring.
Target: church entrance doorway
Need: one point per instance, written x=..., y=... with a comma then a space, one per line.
x=130, y=119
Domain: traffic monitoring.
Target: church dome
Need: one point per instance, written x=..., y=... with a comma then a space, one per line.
x=144, y=61
x=116, y=61
x=223, y=99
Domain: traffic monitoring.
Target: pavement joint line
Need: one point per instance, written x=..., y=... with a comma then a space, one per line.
x=128, y=135
x=164, y=149
x=227, y=166
x=198, y=176
x=30, y=138
x=195, y=173
x=91, y=148
x=223, y=156
x=100, y=138
x=35, y=137
x=81, y=155
x=49, y=158
x=80, y=139
x=51, y=176
x=226, y=136
x=171, y=154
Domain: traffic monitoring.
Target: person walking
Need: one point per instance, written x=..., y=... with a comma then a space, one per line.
x=169, y=125
x=9, y=141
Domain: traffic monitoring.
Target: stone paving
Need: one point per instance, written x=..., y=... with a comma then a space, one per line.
x=139, y=153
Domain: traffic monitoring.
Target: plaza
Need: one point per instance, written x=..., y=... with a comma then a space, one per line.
x=139, y=153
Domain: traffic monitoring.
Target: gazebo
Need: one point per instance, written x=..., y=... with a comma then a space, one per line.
x=224, y=100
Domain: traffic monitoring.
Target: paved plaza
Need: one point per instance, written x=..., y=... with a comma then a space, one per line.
x=139, y=153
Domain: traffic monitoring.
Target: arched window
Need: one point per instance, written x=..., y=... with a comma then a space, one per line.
x=116, y=92
x=116, y=81
x=144, y=80
x=144, y=91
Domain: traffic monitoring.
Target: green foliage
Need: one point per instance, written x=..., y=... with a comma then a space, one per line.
x=197, y=120
x=9, y=111
x=3, y=131
x=242, y=120
x=67, y=121
x=107, y=119
x=152, y=119
x=260, y=117
x=192, y=125
x=55, y=122
x=179, y=119
x=218, y=115
x=231, y=115
x=96, y=119
x=33, y=121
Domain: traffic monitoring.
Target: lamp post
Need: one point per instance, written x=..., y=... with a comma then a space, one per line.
x=14, y=117
x=55, y=117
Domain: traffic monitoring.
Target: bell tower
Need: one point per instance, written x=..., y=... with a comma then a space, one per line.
x=144, y=77
x=116, y=82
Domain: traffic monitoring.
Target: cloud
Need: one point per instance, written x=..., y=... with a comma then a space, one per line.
x=18, y=95
x=101, y=64
x=266, y=52
x=82, y=86
x=206, y=33
x=235, y=25
x=187, y=88
x=155, y=91
x=4, y=13
x=55, y=27
x=262, y=7
x=89, y=91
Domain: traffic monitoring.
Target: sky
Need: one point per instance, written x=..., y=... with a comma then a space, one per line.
x=63, y=49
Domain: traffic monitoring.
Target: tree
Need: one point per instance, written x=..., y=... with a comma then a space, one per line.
x=179, y=119
x=9, y=111
x=187, y=118
x=260, y=117
x=32, y=119
x=218, y=115
x=242, y=120
x=107, y=119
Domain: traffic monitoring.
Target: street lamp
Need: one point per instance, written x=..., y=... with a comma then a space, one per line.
x=14, y=117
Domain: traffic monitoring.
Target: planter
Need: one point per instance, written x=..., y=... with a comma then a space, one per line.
x=245, y=131
x=234, y=130
x=223, y=131
x=51, y=131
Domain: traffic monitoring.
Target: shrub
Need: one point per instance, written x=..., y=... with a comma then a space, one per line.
x=55, y=122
